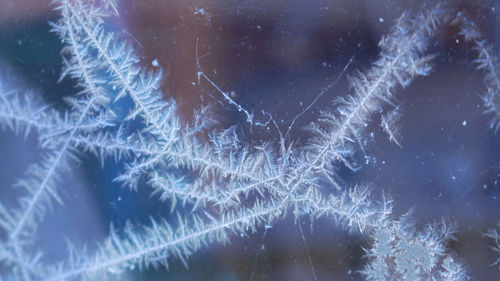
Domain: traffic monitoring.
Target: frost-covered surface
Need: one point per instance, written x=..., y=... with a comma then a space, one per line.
x=205, y=180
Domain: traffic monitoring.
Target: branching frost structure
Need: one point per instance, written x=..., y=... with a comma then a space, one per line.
x=249, y=186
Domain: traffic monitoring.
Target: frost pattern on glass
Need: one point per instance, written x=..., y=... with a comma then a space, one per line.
x=226, y=171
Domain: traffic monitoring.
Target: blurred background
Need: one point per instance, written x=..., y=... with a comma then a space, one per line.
x=275, y=56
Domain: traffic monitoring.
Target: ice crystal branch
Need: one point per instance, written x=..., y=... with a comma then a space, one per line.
x=21, y=113
x=42, y=178
x=389, y=123
x=155, y=244
x=495, y=236
x=487, y=61
x=119, y=62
